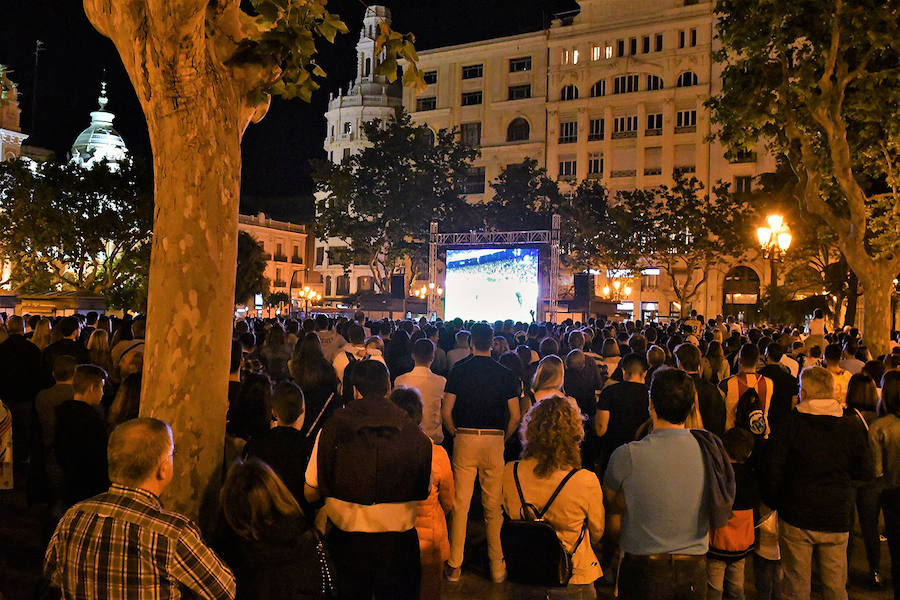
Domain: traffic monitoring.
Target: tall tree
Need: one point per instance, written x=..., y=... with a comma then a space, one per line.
x=817, y=81
x=381, y=209
x=250, y=278
x=524, y=198
x=598, y=230
x=203, y=71
x=70, y=228
x=688, y=232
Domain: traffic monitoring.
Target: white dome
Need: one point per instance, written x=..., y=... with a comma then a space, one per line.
x=99, y=141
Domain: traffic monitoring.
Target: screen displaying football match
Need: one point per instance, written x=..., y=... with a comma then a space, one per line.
x=491, y=284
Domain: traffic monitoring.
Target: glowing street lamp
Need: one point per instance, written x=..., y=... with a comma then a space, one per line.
x=774, y=241
x=309, y=295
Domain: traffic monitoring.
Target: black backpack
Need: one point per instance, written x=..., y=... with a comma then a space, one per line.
x=534, y=553
x=750, y=413
x=347, y=379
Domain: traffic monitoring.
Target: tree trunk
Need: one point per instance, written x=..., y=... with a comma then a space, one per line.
x=197, y=162
x=876, y=328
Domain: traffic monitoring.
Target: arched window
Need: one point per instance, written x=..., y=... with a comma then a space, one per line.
x=598, y=89
x=570, y=92
x=654, y=82
x=687, y=79
x=519, y=130
x=427, y=135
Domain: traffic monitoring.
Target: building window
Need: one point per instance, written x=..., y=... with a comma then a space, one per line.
x=522, y=63
x=625, y=124
x=650, y=279
x=645, y=44
x=430, y=77
x=518, y=92
x=328, y=285
x=368, y=67
x=596, y=130
x=342, y=285
x=681, y=39
x=365, y=283
x=624, y=84
x=654, y=82
x=595, y=53
x=320, y=256
x=278, y=278
x=518, y=131
x=473, y=181
x=470, y=133
x=595, y=164
x=659, y=42
x=568, y=169
x=348, y=128
x=687, y=79
x=574, y=57
x=346, y=154
x=632, y=46
x=471, y=98
x=654, y=121
x=426, y=103
x=686, y=118
x=426, y=136
x=568, y=132
x=609, y=51
x=565, y=57
x=472, y=71
x=743, y=184
x=620, y=47
x=598, y=89
x=693, y=37
x=569, y=92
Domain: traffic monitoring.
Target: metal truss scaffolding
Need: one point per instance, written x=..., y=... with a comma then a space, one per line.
x=498, y=238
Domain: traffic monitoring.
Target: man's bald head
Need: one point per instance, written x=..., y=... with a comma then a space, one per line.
x=135, y=450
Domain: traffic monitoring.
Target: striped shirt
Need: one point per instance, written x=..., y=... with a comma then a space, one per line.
x=123, y=544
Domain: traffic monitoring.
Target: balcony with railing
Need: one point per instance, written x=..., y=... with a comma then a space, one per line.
x=686, y=129
x=595, y=137
x=279, y=283
x=623, y=173
x=279, y=258
x=685, y=169
x=653, y=171
x=568, y=139
x=652, y=132
x=297, y=260
x=618, y=135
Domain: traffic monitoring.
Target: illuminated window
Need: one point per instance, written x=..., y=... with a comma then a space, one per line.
x=595, y=53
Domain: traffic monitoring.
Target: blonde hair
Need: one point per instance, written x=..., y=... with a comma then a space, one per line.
x=549, y=374
x=817, y=383
x=42, y=333
x=98, y=347
x=253, y=497
x=552, y=431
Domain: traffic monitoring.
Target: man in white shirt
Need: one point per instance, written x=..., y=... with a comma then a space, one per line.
x=430, y=386
x=356, y=349
x=462, y=349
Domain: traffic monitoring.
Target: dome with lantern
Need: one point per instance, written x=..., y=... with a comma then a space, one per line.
x=99, y=142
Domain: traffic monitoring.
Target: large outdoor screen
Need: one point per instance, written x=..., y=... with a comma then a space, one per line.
x=491, y=284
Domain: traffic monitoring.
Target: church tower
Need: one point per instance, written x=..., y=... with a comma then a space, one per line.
x=369, y=96
x=11, y=136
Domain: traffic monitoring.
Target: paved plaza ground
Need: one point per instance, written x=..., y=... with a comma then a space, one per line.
x=21, y=553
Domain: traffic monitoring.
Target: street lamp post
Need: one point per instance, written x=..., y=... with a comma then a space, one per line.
x=774, y=239
x=309, y=295
x=427, y=292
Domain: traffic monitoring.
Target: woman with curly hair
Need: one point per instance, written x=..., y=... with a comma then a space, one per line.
x=551, y=435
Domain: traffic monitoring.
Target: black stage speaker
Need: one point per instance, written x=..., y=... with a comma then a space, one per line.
x=398, y=286
x=583, y=288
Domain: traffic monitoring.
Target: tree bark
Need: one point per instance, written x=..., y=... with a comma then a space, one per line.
x=877, y=285
x=196, y=112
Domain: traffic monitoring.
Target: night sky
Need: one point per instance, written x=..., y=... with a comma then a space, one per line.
x=277, y=150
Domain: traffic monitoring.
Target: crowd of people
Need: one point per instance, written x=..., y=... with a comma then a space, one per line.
x=640, y=460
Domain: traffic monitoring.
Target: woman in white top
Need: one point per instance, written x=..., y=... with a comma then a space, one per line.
x=552, y=433
x=817, y=330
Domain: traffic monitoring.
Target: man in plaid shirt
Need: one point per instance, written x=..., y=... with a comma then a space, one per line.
x=122, y=543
